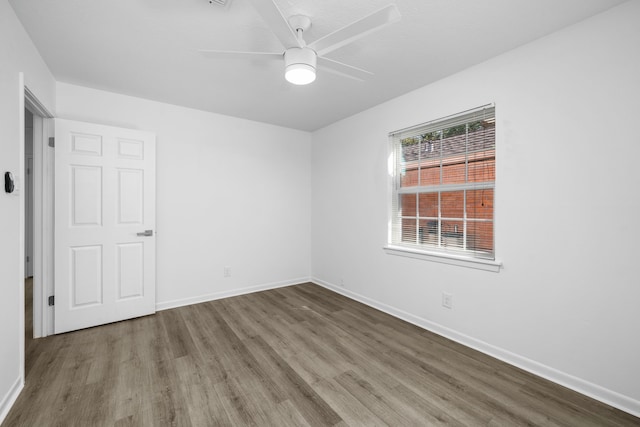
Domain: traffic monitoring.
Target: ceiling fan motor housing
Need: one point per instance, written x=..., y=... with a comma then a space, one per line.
x=300, y=55
x=300, y=61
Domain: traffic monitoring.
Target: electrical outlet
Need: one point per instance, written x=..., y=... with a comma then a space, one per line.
x=227, y=271
x=447, y=300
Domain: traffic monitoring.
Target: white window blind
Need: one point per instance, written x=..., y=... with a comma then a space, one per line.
x=444, y=183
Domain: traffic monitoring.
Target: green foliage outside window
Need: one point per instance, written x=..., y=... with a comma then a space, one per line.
x=445, y=133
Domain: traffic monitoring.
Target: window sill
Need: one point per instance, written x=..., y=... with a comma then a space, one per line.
x=479, y=264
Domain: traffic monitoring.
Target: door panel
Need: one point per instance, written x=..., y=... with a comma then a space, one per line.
x=86, y=276
x=130, y=196
x=104, y=197
x=86, y=196
x=130, y=272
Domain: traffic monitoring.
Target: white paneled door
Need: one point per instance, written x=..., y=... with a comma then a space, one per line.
x=104, y=224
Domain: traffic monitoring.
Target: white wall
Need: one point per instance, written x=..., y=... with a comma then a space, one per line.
x=17, y=55
x=565, y=304
x=230, y=192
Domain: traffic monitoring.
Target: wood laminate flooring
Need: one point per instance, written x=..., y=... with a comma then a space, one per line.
x=295, y=356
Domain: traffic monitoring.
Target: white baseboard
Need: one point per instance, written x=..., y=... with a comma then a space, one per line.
x=587, y=388
x=10, y=398
x=166, y=305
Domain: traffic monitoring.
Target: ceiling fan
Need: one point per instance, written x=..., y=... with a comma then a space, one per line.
x=301, y=58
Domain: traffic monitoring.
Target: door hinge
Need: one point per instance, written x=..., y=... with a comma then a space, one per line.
x=28, y=171
x=27, y=258
x=52, y=300
x=52, y=142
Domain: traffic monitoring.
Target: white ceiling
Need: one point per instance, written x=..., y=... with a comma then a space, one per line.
x=148, y=48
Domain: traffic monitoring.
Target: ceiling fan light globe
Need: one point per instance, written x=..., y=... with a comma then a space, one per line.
x=300, y=74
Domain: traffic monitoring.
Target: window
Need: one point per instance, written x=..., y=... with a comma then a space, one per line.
x=443, y=185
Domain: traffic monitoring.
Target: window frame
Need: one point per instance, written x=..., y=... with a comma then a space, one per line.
x=461, y=256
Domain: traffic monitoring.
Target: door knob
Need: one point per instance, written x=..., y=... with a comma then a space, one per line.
x=145, y=233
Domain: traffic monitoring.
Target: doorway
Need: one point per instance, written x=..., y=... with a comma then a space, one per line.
x=128, y=275
x=38, y=220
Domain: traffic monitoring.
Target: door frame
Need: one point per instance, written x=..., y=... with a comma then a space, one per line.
x=43, y=176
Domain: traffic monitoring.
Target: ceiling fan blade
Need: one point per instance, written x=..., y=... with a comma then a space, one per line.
x=237, y=54
x=343, y=69
x=360, y=28
x=277, y=22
